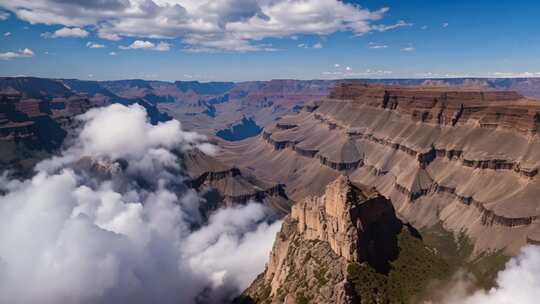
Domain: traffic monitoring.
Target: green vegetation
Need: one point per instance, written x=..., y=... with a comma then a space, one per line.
x=416, y=266
x=486, y=266
x=301, y=298
x=434, y=259
x=458, y=253
x=320, y=275
x=243, y=299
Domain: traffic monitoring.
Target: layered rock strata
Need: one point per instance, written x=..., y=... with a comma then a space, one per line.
x=224, y=185
x=466, y=157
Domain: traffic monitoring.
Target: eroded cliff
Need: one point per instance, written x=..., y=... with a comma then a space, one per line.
x=346, y=246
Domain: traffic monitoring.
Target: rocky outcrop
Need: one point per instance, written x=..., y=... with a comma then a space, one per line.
x=320, y=238
x=357, y=224
x=245, y=190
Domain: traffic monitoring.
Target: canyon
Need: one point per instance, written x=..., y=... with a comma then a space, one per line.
x=360, y=171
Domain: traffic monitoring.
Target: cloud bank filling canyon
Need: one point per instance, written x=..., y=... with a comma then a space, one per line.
x=110, y=220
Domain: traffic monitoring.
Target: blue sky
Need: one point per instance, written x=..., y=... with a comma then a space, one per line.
x=410, y=39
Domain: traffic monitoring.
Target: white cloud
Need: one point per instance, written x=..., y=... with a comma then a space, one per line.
x=147, y=45
x=67, y=32
x=408, y=49
x=519, y=282
x=206, y=25
x=93, y=45
x=337, y=65
x=445, y=75
x=208, y=44
x=117, y=142
x=424, y=27
x=108, y=36
x=384, y=28
x=514, y=74
x=349, y=73
x=24, y=53
x=112, y=53
x=445, y=24
x=4, y=15
x=92, y=227
x=7, y=34
x=163, y=46
x=375, y=45
x=317, y=45
x=218, y=245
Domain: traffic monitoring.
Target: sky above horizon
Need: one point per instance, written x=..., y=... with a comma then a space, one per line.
x=238, y=40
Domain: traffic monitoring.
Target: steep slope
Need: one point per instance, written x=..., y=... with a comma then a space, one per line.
x=466, y=157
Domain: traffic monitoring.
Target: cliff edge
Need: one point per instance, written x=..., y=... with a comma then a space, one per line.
x=346, y=246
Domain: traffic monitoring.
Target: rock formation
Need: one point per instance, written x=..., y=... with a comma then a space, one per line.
x=346, y=246
x=245, y=129
x=222, y=185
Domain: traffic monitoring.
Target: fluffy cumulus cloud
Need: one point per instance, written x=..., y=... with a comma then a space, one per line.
x=92, y=227
x=519, y=282
x=67, y=32
x=205, y=25
x=24, y=53
x=147, y=45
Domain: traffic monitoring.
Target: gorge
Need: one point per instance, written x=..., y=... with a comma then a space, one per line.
x=369, y=178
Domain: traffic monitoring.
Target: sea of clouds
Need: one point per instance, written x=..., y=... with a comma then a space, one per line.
x=111, y=221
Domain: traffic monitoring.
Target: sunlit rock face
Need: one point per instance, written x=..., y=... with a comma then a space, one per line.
x=321, y=237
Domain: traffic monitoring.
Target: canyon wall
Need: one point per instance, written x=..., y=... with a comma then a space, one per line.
x=466, y=157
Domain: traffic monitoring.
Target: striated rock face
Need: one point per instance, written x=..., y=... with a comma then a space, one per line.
x=358, y=225
x=222, y=185
x=318, y=240
x=466, y=157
